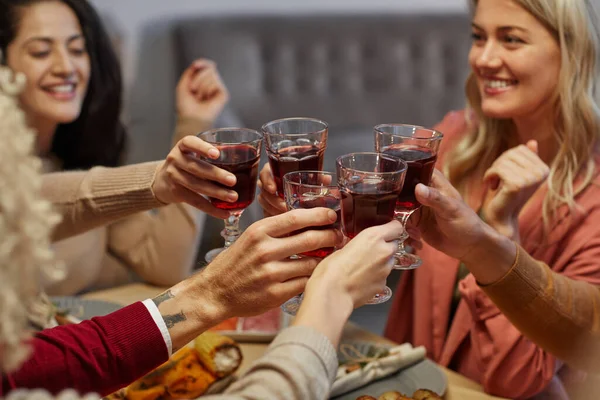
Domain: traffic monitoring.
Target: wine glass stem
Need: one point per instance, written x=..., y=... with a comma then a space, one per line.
x=232, y=228
x=403, y=217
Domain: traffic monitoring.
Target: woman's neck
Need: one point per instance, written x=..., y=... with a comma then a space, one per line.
x=540, y=129
x=45, y=130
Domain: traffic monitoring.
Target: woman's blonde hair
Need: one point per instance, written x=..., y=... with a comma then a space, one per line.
x=576, y=28
x=25, y=224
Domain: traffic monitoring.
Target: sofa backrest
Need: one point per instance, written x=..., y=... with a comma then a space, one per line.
x=350, y=70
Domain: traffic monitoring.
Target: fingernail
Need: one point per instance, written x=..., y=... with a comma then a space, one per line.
x=230, y=180
x=213, y=153
x=332, y=215
x=423, y=190
x=232, y=196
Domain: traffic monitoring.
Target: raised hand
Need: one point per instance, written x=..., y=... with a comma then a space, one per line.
x=201, y=93
x=511, y=180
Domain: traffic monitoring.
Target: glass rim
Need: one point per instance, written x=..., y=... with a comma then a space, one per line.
x=403, y=164
x=437, y=135
x=259, y=135
x=308, y=185
x=276, y=121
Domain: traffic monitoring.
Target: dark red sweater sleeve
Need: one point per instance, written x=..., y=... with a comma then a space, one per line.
x=100, y=355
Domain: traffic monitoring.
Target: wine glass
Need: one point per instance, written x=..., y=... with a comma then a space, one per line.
x=310, y=189
x=239, y=154
x=418, y=146
x=369, y=184
x=294, y=144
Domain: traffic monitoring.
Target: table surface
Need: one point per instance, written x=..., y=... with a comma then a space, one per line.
x=459, y=387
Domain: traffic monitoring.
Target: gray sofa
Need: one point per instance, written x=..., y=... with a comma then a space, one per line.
x=352, y=71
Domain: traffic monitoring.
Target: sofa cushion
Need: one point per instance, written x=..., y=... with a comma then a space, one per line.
x=350, y=70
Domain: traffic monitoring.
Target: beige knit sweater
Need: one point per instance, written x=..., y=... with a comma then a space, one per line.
x=158, y=246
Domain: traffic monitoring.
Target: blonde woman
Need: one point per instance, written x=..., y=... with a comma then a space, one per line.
x=527, y=160
x=254, y=275
x=525, y=156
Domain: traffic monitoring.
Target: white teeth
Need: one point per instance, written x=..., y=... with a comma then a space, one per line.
x=498, y=84
x=62, y=88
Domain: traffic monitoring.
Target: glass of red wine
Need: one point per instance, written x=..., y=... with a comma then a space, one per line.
x=239, y=154
x=418, y=146
x=369, y=185
x=295, y=144
x=310, y=189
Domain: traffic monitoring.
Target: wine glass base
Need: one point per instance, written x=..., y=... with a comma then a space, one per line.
x=292, y=306
x=211, y=255
x=381, y=297
x=407, y=261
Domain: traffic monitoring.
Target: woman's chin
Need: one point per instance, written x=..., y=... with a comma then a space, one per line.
x=63, y=117
x=497, y=112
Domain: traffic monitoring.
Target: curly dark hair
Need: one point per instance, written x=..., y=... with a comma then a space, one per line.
x=97, y=136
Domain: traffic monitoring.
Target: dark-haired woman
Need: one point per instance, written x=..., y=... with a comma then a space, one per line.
x=73, y=100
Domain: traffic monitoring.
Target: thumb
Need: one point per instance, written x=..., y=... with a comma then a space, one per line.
x=532, y=145
x=442, y=205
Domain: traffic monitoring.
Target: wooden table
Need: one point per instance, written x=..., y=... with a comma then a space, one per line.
x=459, y=387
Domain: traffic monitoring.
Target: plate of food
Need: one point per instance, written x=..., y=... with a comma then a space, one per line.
x=261, y=328
x=205, y=366
x=411, y=372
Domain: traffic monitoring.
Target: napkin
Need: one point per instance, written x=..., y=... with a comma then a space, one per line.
x=373, y=367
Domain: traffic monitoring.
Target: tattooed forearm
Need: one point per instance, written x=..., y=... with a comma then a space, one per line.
x=162, y=297
x=172, y=320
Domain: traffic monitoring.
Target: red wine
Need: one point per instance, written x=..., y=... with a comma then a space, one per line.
x=242, y=161
x=365, y=205
x=327, y=201
x=295, y=158
x=420, y=162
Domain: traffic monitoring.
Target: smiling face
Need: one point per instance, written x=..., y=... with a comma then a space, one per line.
x=49, y=48
x=515, y=59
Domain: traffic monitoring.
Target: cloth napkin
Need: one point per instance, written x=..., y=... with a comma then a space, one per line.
x=399, y=357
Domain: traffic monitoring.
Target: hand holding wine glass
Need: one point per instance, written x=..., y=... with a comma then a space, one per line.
x=369, y=184
x=449, y=225
x=348, y=278
x=306, y=190
x=358, y=273
x=183, y=178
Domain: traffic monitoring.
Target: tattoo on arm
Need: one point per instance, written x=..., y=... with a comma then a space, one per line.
x=161, y=298
x=173, y=319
